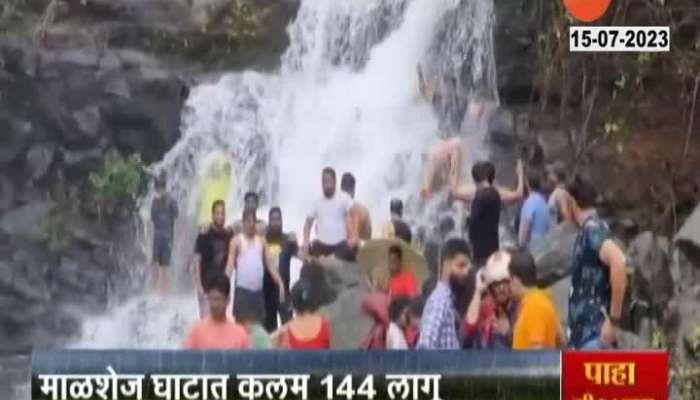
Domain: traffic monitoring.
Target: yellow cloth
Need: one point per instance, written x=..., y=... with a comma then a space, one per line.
x=537, y=325
x=212, y=190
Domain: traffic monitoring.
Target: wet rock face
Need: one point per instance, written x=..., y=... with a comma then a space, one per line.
x=649, y=257
x=554, y=258
x=515, y=36
x=340, y=288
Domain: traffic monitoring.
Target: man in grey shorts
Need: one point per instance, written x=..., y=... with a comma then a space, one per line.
x=163, y=215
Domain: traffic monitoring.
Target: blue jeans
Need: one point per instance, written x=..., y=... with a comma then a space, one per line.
x=595, y=345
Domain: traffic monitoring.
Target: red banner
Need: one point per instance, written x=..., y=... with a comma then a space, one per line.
x=615, y=375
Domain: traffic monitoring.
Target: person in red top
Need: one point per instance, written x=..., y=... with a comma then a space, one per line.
x=492, y=311
x=308, y=330
x=402, y=281
x=216, y=331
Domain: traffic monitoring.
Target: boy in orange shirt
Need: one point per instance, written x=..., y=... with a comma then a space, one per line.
x=537, y=324
x=217, y=332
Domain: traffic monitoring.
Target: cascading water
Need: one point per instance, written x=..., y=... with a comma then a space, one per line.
x=345, y=96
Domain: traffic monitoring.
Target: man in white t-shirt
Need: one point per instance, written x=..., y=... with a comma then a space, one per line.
x=335, y=234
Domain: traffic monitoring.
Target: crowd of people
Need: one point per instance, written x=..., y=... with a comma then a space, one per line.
x=481, y=296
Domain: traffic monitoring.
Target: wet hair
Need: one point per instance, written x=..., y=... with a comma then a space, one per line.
x=583, y=192
x=274, y=210
x=251, y=195
x=396, y=250
x=534, y=180
x=417, y=306
x=454, y=247
x=396, y=207
x=484, y=171
x=302, y=296
x=347, y=183
x=221, y=283
x=522, y=266
x=397, y=307
x=328, y=171
x=217, y=203
x=249, y=214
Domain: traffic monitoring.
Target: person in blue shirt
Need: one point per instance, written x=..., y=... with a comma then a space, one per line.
x=535, y=218
x=598, y=277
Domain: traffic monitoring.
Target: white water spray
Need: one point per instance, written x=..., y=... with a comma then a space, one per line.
x=347, y=97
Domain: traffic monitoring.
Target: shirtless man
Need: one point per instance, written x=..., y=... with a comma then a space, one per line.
x=358, y=212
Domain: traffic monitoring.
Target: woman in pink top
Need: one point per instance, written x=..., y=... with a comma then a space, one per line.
x=217, y=332
x=308, y=330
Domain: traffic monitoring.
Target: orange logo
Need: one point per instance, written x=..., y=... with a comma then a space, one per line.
x=587, y=10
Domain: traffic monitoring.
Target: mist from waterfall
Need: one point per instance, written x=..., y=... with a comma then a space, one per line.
x=345, y=96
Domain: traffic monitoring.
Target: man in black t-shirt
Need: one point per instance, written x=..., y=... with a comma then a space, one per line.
x=276, y=241
x=486, y=201
x=485, y=213
x=211, y=253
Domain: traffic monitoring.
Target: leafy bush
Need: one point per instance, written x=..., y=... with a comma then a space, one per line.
x=117, y=185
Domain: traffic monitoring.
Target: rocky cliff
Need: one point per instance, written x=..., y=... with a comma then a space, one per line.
x=78, y=79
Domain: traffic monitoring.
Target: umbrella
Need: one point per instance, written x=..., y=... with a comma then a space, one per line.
x=374, y=254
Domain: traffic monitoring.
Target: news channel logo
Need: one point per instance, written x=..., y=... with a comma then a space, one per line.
x=587, y=10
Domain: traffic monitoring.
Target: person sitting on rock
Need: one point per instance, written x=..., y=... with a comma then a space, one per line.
x=217, y=331
x=336, y=234
x=396, y=227
x=492, y=312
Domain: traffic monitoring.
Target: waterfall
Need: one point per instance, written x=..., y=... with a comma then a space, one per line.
x=345, y=96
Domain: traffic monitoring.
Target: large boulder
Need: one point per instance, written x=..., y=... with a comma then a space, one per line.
x=688, y=237
x=554, y=257
x=341, y=286
x=649, y=257
x=27, y=221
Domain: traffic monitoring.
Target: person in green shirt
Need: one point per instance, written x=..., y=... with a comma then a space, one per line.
x=259, y=338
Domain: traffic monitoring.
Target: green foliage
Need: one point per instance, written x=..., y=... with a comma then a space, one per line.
x=240, y=21
x=659, y=340
x=117, y=185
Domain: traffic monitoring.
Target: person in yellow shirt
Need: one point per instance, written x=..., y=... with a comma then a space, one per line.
x=537, y=324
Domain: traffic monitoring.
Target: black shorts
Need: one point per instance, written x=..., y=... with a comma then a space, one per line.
x=162, y=248
x=340, y=250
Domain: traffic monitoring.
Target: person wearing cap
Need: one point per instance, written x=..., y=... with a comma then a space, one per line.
x=492, y=312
